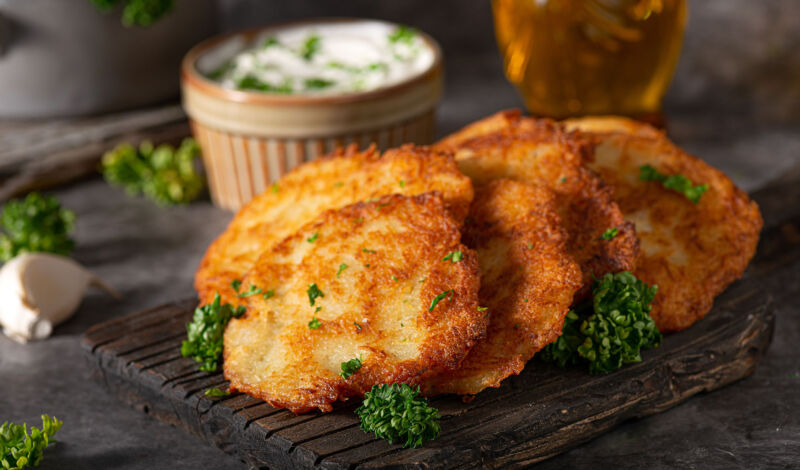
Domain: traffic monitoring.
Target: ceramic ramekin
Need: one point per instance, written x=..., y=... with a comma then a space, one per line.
x=251, y=139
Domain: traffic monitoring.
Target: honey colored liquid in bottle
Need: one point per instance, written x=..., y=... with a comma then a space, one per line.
x=579, y=57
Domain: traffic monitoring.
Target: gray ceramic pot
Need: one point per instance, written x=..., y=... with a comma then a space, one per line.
x=66, y=58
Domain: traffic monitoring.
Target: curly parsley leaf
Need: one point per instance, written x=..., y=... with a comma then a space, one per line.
x=20, y=449
x=310, y=47
x=36, y=224
x=454, y=256
x=313, y=293
x=612, y=330
x=402, y=34
x=314, y=323
x=253, y=290
x=350, y=367
x=204, y=333
x=342, y=267
x=396, y=413
x=610, y=233
x=164, y=174
x=216, y=393
x=142, y=13
x=678, y=183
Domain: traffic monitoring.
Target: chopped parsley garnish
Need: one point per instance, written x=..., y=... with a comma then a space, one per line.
x=313, y=293
x=357, y=325
x=453, y=256
x=338, y=184
x=611, y=330
x=530, y=246
x=216, y=393
x=236, y=284
x=314, y=323
x=394, y=278
x=610, y=233
x=253, y=290
x=310, y=47
x=36, y=224
x=204, y=333
x=678, y=183
x=269, y=294
x=350, y=367
x=274, y=188
x=396, y=413
x=367, y=250
x=313, y=238
x=482, y=309
x=563, y=179
x=439, y=297
x=318, y=83
x=20, y=449
x=403, y=34
x=402, y=183
x=342, y=267
x=269, y=42
x=249, y=82
x=359, y=220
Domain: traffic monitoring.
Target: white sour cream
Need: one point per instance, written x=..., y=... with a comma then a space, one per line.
x=329, y=59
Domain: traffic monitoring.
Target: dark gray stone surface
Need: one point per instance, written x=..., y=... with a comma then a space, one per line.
x=735, y=102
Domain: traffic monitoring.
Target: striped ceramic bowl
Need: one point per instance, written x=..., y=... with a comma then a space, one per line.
x=251, y=139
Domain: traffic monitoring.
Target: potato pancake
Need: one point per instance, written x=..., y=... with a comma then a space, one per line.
x=541, y=152
x=367, y=283
x=528, y=280
x=334, y=181
x=691, y=251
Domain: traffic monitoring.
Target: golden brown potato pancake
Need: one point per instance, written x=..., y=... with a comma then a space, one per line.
x=342, y=178
x=528, y=280
x=387, y=297
x=541, y=152
x=691, y=251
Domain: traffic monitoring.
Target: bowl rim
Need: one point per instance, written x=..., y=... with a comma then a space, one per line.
x=190, y=76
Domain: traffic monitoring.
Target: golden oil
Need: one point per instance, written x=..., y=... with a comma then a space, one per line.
x=579, y=57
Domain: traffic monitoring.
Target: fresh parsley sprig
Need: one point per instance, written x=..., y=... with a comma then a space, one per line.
x=36, y=224
x=20, y=449
x=204, y=333
x=612, y=330
x=350, y=367
x=142, y=13
x=164, y=174
x=396, y=413
x=678, y=183
x=610, y=234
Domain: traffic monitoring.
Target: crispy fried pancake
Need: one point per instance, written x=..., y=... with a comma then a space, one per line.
x=334, y=181
x=528, y=280
x=691, y=251
x=379, y=267
x=540, y=152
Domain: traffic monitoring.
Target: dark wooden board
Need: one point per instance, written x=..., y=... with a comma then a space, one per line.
x=540, y=413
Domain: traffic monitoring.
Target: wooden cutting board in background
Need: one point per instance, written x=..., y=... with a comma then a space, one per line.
x=538, y=414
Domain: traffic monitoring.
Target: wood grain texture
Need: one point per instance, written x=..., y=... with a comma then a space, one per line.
x=541, y=413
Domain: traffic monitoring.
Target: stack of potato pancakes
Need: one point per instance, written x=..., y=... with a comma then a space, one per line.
x=449, y=267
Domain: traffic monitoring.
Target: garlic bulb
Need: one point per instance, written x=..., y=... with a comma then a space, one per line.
x=40, y=290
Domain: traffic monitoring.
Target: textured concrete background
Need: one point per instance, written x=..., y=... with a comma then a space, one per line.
x=735, y=102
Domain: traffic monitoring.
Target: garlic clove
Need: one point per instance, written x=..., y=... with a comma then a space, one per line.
x=40, y=290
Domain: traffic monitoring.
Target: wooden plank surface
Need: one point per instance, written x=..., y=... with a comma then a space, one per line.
x=540, y=413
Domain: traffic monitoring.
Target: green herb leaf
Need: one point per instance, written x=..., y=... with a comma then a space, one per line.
x=612, y=330
x=249, y=82
x=204, y=333
x=318, y=83
x=216, y=393
x=357, y=325
x=402, y=183
x=366, y=250
x=439, y=297
x=274, y=188
x=253, y=290
x=310, y=47
x=453, y=256
x=314, y=323
x=36, y=224
x=342, y=267
x=236, y=284
x=269, y=294
x=314, y=293
x=270, y=42
x=397, y=414
x=678, y=183
x=482, y=309
x=20, y=449
x=163, y=174
x=402, y=34
x=313, y=238
x=610, y=233
x=350, y=367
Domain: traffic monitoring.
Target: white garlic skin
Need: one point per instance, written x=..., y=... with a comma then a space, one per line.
x=38, y=291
